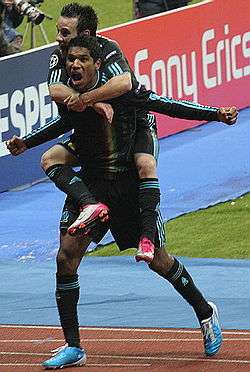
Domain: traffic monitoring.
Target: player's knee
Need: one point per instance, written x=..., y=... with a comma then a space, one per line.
x=162, y=262
x=47, y=159
x=146, y=166
x=61, y=261
x=65, y=262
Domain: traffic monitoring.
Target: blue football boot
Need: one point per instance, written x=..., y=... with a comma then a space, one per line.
x=211, y=330
x=67, y=357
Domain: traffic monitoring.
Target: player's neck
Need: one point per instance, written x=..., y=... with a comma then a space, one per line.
x=93, y=83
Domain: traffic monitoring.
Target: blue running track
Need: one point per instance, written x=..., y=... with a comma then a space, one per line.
x=197, y=168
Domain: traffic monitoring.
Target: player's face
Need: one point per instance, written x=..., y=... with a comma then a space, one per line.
x=66, y=30
x=81, y=68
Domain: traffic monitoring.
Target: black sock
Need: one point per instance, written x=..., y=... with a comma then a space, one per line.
x=68, y=181
x=149, y=200
x=183, y=283
x=67, y=296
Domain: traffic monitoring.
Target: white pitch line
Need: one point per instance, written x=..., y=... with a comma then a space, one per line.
x=21, y=353
x=87, y=365
x=37, y=342
x=105, y=329
x=40, y=342
x=20, y=364
x=172, y=359
x=118, y=365
x=153, y=358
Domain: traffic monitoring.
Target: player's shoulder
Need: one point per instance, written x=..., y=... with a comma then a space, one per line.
x=56, y=59
x=109, y=47
x=106, y=40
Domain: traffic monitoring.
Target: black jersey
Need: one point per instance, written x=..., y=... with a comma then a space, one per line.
x=101, y=147
x=57, y=73
x=115, y=63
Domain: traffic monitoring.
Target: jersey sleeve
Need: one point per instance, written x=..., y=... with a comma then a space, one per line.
x=114, y=62
x=181, y=109
x=51, y=130
x=57, y=73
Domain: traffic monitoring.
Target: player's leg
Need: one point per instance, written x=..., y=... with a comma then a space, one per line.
x=146, y=154
x=57, y=163
x=175, y=273
x=125, y=221
x=70, y=254
x=166, y=266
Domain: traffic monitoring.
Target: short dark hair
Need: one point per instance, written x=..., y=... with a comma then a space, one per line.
x=88, y=42
x=87, y=17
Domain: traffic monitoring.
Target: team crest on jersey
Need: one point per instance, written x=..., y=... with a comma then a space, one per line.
x=53, y=61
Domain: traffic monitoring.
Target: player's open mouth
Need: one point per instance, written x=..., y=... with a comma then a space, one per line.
x=76, y=76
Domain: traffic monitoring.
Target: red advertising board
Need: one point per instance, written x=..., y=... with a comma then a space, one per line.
x=199, y=53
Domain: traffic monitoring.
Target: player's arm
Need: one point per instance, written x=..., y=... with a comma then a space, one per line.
x=184, y=109
x=60, y=92
x=105, y=110
x=115, y=87
x=116, y=75
x=51, y=130
x=228, y=115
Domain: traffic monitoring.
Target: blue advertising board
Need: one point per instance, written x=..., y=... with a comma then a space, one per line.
x=25, y=105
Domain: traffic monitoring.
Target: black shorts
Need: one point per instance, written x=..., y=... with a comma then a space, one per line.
x=147, y=142
x=121, y=196
x=69, y=145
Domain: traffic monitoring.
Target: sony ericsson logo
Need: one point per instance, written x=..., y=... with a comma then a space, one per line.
x=53, y=61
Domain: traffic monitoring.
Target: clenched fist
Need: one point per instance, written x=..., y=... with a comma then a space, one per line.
x=228, y=115
x=16, y=145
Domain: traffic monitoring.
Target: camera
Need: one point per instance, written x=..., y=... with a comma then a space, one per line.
x=30, y=10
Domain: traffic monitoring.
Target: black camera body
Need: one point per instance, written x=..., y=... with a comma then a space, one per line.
x=36, y=2
x=27, y=8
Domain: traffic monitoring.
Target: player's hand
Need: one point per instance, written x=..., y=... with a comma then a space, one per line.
x=74, y=103
x=105, y=110
x=228, y=115
x=16, y=146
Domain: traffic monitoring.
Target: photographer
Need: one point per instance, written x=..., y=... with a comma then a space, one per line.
x=11, y=19
x=144, y=8
x=5, y=48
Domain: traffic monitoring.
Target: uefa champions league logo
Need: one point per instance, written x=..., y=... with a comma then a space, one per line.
x=53, y=61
